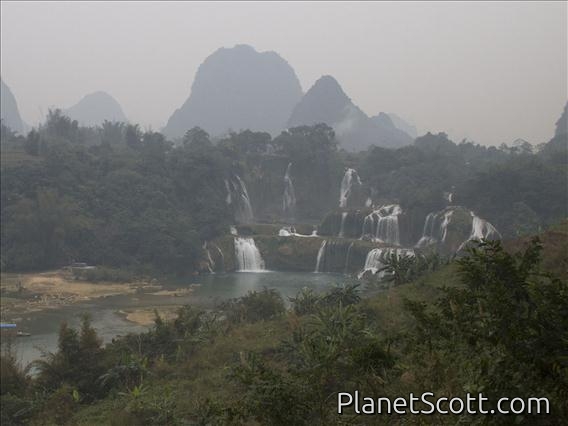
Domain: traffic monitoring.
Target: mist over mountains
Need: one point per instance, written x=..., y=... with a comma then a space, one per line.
x=326, y=102
x=238, y=88
x=93, y=109
x=403, y=125
x=9, y=112
x=562, y=123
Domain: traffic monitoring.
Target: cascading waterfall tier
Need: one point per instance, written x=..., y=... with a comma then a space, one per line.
x=333, y=256
x=213, y=262
x=377, y=259
x=435, y=228
x=290, y=231
x=349, y=179
x=289, y=196
x=210, y=261
x=342, y=226
x=439, y=225
x=480, y=230
x=321, y=254
x=248, y=256
x=382, y=224
x=237, y=195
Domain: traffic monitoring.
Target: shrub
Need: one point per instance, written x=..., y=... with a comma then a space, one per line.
x=255, y=306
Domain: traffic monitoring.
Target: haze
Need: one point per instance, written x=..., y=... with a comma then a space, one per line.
x=489, y=72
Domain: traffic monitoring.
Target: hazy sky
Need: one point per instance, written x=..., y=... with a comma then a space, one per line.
x=491, y=72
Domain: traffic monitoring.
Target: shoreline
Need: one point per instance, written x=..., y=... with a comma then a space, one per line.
x=26, y=293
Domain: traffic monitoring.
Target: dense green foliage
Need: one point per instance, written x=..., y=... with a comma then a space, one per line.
x=117, y=196
x=519, y=189
x=500, y=329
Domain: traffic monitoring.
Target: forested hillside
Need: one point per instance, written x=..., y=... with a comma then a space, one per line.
x=493, y=322
x=117, y=196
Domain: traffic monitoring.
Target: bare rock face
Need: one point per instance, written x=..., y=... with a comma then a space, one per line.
x=95, y=108
x=326, y=102
x=238, y=88
x=9, y=112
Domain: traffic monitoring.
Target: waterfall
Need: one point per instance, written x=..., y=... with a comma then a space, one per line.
x=233, y=230
x=222, y=258
x=376, y=259
x=444, y=225
x=321, y=254
x=342, y=227
x=333, y=256
x=387, y=230
x=237, y=194
x=436, y=228
x=382, y=224
x=347, y=185
x=428, y=231
x=448, y=197
x=289, y=196
x=210, y=261
x=373, y=261
x=347, y=257
x=369, y=224
x=480, y=230
x=369, y=202
x=248, y=256
x=229, y=198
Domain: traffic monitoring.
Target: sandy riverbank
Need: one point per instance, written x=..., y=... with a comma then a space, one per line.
x=25, y=293
x=145, y=316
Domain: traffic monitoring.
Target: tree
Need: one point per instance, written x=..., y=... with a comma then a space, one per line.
x=507, y=330
x=32, y=143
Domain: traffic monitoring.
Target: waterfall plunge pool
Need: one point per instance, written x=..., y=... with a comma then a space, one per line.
x=206, y=291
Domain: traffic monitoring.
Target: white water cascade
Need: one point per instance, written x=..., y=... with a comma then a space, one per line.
x=349, y=178
x=480, y=230
x=333, y=256
x=321, y=254
x=436, y=227
x=289, y=196
x=376, y=259
x=210, y=261
x=237, y=194
x=290, y=231
x=342, y=226
x=382, y=224
x=248, y=256
x=347, y=258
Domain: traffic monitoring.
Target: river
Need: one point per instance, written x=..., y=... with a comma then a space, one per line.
x=207, y=291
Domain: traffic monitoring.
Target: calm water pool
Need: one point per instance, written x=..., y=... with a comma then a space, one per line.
x=207, y=291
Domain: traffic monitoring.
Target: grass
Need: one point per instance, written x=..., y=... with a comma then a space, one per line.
x=14, y=157
x=204, y=374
